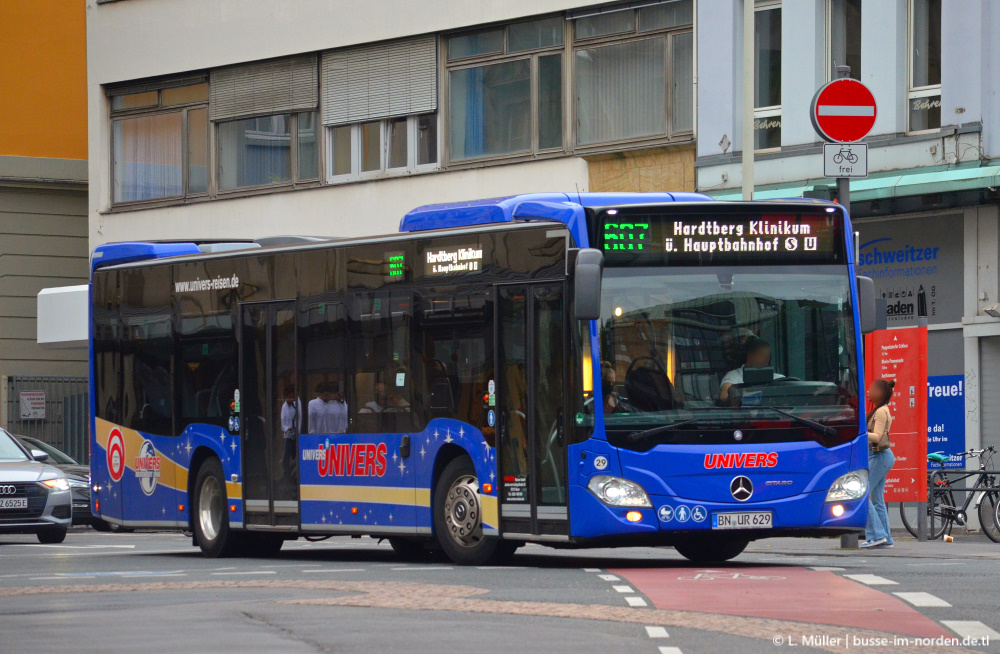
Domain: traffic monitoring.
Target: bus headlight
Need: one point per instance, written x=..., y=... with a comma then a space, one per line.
x=851, y=486
x=615, y=491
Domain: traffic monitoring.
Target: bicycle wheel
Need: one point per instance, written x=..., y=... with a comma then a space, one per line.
x=989, y=515
x=942, y=517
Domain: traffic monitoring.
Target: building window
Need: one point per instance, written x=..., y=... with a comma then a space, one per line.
x=376, y=148
x=767, y=76
x=844, y=44
x=634, y=73
x=380, y=108
x=159, y=143
x=924, y=95
x=505, y=90
x=261, y=151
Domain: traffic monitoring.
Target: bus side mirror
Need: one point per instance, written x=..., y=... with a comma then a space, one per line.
x=866, y=305
x=587, y=284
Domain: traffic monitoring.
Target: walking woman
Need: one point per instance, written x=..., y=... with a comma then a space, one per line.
x=880, y=462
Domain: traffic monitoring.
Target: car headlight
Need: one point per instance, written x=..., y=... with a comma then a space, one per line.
x=78, y=483
x=59, y=483
x=851, y=486
x=615, y=491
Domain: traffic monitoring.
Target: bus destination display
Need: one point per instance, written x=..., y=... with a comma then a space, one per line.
x=395, y=266
x=720, y=237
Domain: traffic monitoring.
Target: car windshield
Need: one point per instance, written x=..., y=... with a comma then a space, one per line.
x=692, y=348
x=55, y=456
x=9, y=451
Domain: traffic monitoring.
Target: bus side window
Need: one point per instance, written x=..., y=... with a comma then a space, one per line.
x=323, y=345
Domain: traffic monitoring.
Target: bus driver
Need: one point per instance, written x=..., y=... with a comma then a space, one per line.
x=758, y=355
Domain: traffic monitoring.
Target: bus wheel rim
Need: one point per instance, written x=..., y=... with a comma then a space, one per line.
x=462, y=512
x=210, y=508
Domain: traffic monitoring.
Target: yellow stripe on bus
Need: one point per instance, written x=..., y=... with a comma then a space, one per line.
x=372, y=494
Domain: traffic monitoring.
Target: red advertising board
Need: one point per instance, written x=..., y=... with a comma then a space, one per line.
x=901, y=355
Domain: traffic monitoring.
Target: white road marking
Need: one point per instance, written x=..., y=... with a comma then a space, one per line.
x=872, y=580
x=670, y=650
x=163, y=574
x=608, y=577
x=635, y=601
x=623, y=589
x=826, y=568
x=922, y=599
x=247, y=572
x=421, y=568
x=59, y=578
x=971, y=629
x=336, y=570
x=657, y=632
x=591, y=569
x=500, y=567
x=74, y=547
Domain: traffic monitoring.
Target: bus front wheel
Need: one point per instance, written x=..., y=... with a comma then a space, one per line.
x=210, y=517
x=458, y=519
x=706, y=550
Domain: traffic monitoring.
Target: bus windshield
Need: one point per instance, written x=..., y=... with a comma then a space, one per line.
x=689, y=352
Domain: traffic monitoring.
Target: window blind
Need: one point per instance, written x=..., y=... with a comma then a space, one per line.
x=264, y=88
x=379, y=81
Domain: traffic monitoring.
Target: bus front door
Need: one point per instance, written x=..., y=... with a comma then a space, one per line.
x=531, y=401
x=271, y=415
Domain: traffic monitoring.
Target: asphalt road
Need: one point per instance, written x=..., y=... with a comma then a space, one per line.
x=155, y=593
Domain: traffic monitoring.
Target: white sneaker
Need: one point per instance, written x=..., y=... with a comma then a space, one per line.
x=872, y=543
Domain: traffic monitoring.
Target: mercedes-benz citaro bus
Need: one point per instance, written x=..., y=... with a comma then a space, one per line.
x=566, y=369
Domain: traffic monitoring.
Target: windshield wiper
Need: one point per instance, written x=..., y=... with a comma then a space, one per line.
x=637, y=436
x=826, y=430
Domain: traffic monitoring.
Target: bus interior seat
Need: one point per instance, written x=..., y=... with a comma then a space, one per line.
x=649, y=389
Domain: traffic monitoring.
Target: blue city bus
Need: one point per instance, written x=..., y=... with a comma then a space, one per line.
x=567, y=369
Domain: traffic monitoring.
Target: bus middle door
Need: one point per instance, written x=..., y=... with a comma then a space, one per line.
x=271, y=415
x=531, y=370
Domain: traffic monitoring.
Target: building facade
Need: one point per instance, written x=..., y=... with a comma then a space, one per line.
x=927, y=213
x=43, y=187
x=224, y=118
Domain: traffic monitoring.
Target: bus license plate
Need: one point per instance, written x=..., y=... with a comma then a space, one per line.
x=742, y=520
x=14, y=503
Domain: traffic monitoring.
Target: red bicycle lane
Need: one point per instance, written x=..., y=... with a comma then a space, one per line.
x=781, y=593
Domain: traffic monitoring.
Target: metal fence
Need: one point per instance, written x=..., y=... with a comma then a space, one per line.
x=51, y=409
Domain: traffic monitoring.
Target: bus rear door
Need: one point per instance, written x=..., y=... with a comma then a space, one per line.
x=271, y=415
x=531, y=401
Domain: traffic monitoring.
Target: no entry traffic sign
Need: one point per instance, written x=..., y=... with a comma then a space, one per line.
x=843, y=110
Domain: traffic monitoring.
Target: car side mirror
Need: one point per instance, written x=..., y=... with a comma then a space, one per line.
x=39, y=455
x=587, y=284
x=866, y=305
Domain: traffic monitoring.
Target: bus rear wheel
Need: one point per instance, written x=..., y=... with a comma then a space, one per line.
x=710, y=550
x=210, y=518
x=458, y=518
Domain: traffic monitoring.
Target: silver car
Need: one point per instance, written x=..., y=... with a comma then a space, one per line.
x=35, y=497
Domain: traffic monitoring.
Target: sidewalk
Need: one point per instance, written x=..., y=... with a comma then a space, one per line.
x=974, y=546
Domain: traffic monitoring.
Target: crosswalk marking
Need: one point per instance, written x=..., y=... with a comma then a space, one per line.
x=635, y=601
x=922, y=599
x=608, y=577
x=670, y=650
x=657, y=632
x=591, y=569
x=971, y=628
x=826, y=568
x=623, y=589
x=872, y=580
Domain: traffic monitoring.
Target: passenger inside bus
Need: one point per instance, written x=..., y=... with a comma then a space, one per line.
x=757, y=355
x=608, y=379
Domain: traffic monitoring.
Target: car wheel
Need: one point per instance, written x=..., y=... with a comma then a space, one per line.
x=458, y=520
x=210, y=517
x=705, y=550
x=52, y=535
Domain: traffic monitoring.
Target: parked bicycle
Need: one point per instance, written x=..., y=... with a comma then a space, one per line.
x=941, y=497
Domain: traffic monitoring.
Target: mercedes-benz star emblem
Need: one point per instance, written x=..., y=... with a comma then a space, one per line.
x=742, y=488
